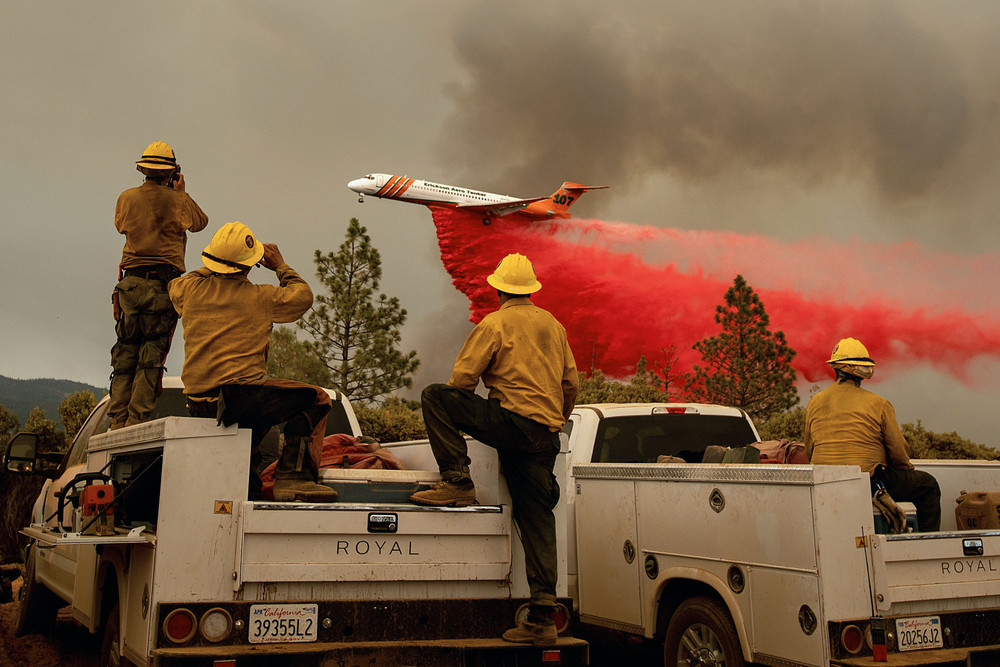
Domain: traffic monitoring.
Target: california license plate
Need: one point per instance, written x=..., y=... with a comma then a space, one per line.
x=913, y=634
x=273, y=623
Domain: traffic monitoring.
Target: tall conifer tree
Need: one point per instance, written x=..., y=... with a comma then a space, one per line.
x=746, y=365
x=355, y=332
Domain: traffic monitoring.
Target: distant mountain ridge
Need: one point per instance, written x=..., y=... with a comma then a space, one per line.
x=22, y=396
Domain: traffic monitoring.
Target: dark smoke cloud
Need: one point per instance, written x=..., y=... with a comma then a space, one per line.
x=816, y=92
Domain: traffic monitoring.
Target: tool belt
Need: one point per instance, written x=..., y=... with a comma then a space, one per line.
x=164, y=272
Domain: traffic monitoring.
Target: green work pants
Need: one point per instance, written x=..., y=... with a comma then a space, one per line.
x=527, y=451
x=145, y=322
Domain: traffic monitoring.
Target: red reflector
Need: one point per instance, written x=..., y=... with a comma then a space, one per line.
x=225, y=663
x=179, y=626
x=551, y=656
x=851, y=638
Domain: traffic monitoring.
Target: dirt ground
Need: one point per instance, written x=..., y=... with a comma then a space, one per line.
x=70, y=645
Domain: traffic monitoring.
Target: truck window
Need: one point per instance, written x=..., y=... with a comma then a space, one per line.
x=337, y=421
x=171, y=403
x=97, y=422
x=642, y=438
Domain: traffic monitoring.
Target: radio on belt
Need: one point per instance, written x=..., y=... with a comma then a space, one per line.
x=382, y=522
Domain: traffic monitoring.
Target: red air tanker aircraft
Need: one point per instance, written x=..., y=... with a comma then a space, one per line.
x=487, y=204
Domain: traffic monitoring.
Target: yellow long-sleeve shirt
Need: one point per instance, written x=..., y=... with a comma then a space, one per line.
x=154, y=220
x=227, y=324
x=848, y=425
x=522, y=356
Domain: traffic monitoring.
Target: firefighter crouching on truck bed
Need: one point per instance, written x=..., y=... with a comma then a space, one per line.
x=227, y=328
x=155, y=218
x=848, y=425
x=522, y=356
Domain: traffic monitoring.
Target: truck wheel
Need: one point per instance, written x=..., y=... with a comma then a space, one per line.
x=36, y=612
x=111, y=646
x=702, y=633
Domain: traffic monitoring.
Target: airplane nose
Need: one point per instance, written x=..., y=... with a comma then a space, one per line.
x=358, y=185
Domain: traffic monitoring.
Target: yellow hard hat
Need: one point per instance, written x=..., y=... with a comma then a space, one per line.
x=158, y=155
x=514, y=275
x=850, y=351
x=233, y=248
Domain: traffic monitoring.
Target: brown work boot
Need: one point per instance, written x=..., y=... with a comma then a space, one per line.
x=289, y=490
x=526, y=632
x=447, y=494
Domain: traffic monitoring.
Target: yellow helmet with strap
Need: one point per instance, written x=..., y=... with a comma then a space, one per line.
x=158, y=155
x=850, y=351
x=234, y=248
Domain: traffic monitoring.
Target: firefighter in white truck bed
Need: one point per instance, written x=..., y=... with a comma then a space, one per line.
x=848, y=425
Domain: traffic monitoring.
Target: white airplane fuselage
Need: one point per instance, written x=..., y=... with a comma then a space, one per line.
x=487, y=204
x=427, y=193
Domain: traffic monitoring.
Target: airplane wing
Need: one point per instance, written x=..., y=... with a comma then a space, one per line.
x=499, y=209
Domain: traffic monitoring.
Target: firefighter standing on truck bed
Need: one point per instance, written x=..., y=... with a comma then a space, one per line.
x=848, y=425
x=155, y=218
x=227, y=329
x=521, y=354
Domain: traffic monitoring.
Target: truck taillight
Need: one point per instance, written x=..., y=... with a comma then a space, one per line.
x=215, y=624
x=179, y=625
x=852, y=639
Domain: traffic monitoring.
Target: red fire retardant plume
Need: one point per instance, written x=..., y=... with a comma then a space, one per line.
x=623, y=291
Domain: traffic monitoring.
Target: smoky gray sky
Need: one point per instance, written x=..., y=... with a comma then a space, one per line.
x=867, y=122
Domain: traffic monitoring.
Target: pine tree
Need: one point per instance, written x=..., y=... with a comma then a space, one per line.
x=747, y=365
x=74, y=410
x=355, y=333
x=289, y=358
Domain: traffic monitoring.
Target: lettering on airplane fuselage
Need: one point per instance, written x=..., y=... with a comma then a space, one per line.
x=375, y=548
x=970, y=566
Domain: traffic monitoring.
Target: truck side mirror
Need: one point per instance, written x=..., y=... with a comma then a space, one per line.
x=21, y=453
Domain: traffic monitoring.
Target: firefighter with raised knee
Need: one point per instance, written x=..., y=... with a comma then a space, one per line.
x=521, y=354
x=227, y=329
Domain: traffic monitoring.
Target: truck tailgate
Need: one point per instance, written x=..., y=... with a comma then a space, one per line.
x=343, y=542
x=950, y=568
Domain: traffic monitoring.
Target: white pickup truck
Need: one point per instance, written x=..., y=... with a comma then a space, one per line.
x=772, y=564
x=722, y=564
x=188, y=571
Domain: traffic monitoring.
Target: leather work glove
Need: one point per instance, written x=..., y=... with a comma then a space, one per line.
x=894, y=515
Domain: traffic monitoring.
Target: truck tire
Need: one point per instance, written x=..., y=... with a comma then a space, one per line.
x=111, y=645
x=702, y=633
x=36, y=612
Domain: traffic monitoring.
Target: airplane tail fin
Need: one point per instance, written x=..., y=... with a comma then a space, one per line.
x=567, y=195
